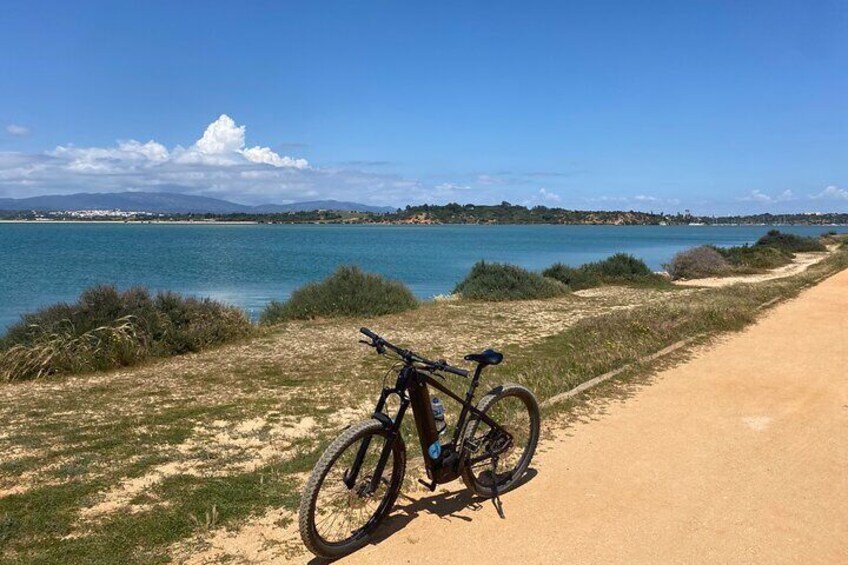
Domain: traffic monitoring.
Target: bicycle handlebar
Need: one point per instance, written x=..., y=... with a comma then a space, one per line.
x=410, y=356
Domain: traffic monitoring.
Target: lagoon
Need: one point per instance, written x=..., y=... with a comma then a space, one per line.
x=249, y=265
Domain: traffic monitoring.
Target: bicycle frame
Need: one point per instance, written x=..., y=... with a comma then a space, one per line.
x=412, y=389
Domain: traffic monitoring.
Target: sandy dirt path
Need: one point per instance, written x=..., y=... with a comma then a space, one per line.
x=738, y=456
x=801, y=263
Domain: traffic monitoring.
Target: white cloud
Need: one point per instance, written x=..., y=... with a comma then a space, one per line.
x=761, y=197
x=265, y=155
x=631, y=200
x=217, y=164
x=833, y=193
x=645, y=198
x=548, y=196
x=17, y=130
x=450, y=187
x=543, y=197
x=221, y=137
x=223, y=144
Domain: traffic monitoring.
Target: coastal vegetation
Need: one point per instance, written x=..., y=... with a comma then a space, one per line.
x=501, y=281
x=620, y=268
x=773, y=250
x=203, y=456
x=106, y=329
x=453, y=213
x=347, y=292
x=698, y=262
x=790, y=242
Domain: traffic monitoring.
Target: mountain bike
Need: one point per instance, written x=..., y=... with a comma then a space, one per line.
x=357, y=480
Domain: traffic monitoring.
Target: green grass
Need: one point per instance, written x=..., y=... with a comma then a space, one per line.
x=500, y=281
x=347, y=292
x=107, y=328
x=620, y=268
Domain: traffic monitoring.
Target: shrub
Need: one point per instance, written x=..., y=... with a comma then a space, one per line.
x=347, y=292
x=500, y=281
x=755, y=257
x=620, y=266
x=617, y=269
x=831, y=238
x=790, y=242
x=106, y=328
x=577, y=278
x=698, y=262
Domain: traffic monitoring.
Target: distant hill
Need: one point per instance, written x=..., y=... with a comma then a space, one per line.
x=171, y=203
x=322, y=205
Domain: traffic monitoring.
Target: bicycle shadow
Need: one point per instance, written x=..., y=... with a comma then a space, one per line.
x=447, y=505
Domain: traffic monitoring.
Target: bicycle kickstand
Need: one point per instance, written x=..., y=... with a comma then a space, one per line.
x=496, y=500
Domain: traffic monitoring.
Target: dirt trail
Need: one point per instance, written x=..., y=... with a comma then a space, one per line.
x=739, y=456
x=799, y=264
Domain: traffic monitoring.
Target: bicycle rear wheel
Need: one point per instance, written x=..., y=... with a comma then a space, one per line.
x=514, y=408
x=336, y=519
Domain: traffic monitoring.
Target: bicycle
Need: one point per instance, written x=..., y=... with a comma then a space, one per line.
x=356, y=482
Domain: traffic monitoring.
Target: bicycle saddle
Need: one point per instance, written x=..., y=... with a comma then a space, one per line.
x=487, y=357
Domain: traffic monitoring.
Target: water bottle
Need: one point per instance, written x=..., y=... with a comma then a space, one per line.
x=439, y=414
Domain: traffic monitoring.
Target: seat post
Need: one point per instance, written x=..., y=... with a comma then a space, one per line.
x=475, y=380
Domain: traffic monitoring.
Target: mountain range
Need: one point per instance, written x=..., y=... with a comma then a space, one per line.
x=171, y=203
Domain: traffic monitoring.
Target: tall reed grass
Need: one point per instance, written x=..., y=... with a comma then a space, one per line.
x=106, y=328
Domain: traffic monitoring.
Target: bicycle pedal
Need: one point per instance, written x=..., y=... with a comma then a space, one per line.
x=430, y=486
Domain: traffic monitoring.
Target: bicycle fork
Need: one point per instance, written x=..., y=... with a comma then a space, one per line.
x=393, y=427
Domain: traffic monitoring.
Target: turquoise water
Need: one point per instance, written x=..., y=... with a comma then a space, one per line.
x=248, y=265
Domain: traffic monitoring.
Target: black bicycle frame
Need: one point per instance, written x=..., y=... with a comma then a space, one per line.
x=412, y=389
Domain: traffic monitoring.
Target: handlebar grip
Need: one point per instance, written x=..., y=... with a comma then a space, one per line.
x=455, y=371
x=369, y=333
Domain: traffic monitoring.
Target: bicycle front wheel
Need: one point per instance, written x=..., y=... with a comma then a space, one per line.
x=337, y=515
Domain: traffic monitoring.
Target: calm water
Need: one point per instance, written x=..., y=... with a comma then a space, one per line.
x=249, y=265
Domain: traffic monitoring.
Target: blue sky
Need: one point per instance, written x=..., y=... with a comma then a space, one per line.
x=712, y=106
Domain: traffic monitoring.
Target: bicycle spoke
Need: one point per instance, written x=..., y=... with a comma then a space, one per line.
x=342, y=511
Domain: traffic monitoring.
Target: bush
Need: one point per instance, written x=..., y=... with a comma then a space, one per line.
x=790, y=242
x=831, y=238
x=106, y=328
x=620, y=266
x=617, y=269
x=500, y=281
x=576, y=278
x=755, y=257
x=347, y=292
x=698, y=262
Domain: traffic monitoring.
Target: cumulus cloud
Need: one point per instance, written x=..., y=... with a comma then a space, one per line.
x=223, y=144
x=832, y=193
x=221, y=137
x=218, y=163
x=17, y=130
